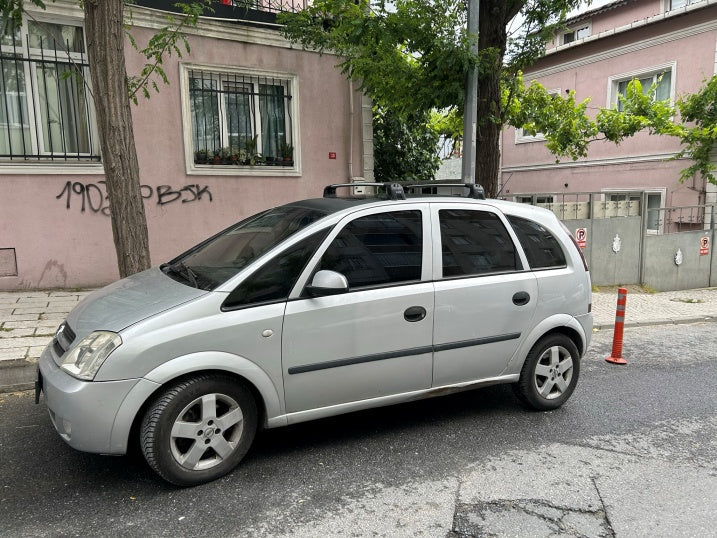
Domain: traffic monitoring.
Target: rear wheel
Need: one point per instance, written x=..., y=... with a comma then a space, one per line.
x=199, y=429
x=549, y=374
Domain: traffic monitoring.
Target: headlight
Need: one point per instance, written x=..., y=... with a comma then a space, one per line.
x=85, y=359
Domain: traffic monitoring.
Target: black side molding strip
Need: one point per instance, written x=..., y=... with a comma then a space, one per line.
x=476, y=342
x=401, y=353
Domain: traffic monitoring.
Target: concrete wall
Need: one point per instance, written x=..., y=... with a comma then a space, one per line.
x=695, y=270
x=612, y=249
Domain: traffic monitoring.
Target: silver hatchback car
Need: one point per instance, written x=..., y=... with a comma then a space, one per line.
x=317, y=308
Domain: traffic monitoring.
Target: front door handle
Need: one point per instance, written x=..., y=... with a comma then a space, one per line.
x=521, y=298
x=414, y=313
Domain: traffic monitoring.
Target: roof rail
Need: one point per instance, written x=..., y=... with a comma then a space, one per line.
x=394, y=191
x=474, y=190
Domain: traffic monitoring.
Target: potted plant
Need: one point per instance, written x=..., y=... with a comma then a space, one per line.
x=287, y=154
x=201, y=156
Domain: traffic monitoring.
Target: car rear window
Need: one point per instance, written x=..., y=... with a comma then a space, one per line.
x=475, y=242
x=541, y=248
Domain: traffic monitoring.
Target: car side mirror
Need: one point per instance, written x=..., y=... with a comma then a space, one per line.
x=327, y=283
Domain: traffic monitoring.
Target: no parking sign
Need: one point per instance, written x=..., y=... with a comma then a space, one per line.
x=581, y=236
x=704, y=246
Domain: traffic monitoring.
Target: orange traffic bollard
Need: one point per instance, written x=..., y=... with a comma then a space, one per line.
x=616, y=355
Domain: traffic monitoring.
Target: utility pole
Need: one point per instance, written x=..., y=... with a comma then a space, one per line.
x=470, y=116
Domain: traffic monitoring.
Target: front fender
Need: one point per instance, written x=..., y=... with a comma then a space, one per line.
x=556, y=321
x=187, y=364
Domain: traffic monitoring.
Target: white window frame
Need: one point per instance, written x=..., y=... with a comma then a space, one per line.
x=292, y=81
x=662, y=193
x=588, y=26
x=668, y=4
x=522, y=138
x=534, y=199
x=32, y=101
x=614, y=80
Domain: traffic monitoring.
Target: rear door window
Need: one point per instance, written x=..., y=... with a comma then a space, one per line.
x=475, y=242
x=541, y=247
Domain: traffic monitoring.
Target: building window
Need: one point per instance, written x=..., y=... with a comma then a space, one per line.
x=661, y=77
x=46, y=109
x=579, y=32
x=534, y=199
x=241, y=118
x=626, y=204
x=677, y=4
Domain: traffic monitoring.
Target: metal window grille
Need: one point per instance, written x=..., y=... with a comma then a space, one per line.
x=272, y=6
x=46, y=108
x=240, y=119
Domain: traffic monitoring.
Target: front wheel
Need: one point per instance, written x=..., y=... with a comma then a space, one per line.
x=198, y=429
x=549, y=374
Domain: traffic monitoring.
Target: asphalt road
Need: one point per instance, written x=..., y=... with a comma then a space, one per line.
x=633, y=453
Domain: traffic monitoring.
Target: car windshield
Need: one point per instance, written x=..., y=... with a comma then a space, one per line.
x=218, y=259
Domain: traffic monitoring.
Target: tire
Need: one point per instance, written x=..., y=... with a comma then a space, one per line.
x=549, y=374
x=199, y=429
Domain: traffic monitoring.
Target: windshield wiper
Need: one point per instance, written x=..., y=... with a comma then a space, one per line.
x=182, y=270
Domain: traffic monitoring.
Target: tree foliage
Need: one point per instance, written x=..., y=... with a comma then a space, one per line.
x=413, y=57
x=405, y=148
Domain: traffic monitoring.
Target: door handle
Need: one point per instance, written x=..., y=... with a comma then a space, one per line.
x=521, y=298
x=414, y=313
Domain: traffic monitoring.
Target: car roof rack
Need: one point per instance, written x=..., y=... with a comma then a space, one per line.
x=394, y=191
x=474, y=190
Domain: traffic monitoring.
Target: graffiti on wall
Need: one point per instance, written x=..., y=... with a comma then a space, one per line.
x=93, y=196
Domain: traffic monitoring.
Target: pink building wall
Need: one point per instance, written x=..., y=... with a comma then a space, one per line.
x=686, y=42
x=57, y=244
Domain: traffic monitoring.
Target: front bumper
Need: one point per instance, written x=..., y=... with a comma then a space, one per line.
x=83, y=412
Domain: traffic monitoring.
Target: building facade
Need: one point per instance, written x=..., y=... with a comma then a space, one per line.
x=672, y=43
x=247, y=122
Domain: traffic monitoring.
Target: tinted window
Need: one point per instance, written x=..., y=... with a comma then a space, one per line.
x=378, y=249
x=274, y=280
x=474, y=243
x=541, y=247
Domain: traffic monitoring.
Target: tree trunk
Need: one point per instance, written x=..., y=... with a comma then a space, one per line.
x=492, y=42
x=104, y=26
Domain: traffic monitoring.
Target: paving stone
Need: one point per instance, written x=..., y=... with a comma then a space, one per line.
x=17, y=333
x=32, y=301
x=29, y=310
x=35, y=351
x=23, y=317
x=32, y=324
x=9, y=343
x=12, y=354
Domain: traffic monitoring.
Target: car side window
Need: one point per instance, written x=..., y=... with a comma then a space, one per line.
x=275, y=279
x=379, y=249
x=475, y=242
x=541, y=248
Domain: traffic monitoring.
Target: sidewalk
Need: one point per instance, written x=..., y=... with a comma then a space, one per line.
x=28, y=321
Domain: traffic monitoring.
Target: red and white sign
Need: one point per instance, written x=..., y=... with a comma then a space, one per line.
x=332, y=154
x=581, y=236
x=704, y=246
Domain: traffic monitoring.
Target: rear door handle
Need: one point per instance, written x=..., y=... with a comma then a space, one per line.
x=414, y=313
x=521, y=298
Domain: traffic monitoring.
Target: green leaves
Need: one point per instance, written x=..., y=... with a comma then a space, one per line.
x=167, y=41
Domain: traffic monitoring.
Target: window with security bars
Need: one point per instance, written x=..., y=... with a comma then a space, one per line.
x=240, y=119
x=46, y=108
